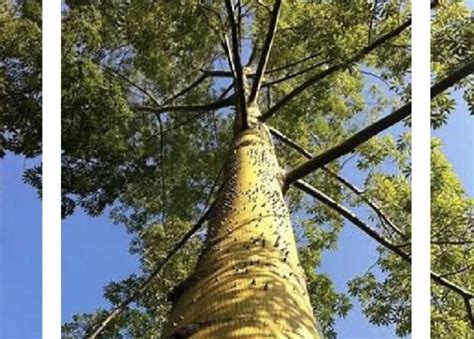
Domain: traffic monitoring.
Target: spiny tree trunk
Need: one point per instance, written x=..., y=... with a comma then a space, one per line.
x=248, y=282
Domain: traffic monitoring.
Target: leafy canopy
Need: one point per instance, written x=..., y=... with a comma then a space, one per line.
x=20, y=78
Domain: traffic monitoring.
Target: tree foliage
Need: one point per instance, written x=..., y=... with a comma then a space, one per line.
x=20, y=78
x=452, y=209
x=452, y=247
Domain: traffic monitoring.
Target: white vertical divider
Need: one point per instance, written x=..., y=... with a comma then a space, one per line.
x=51, y=191
x=421, y=169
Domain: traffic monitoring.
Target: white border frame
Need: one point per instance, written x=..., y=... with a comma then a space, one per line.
x=51, y=192
x=421, y=293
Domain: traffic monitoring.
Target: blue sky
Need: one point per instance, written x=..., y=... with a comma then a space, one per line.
x=458, y=143
x=20, y=253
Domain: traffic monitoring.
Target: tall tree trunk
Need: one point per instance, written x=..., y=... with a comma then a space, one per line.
x=248, y=282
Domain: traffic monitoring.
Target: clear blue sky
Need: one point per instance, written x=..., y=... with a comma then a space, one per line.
x=20, y=253
x=458, y=143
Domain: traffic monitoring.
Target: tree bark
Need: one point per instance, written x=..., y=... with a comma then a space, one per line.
x=248, y=282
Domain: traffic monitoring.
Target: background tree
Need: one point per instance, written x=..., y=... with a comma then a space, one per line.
x=20, y=78
x=20, y=149
x=151, y=90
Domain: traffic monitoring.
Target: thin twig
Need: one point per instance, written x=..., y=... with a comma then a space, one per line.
x=132, y=83
x=293, y=64
x=452, y=242
x=307, y=188
x=190, y=108
x=294, y=75
x=205, y=74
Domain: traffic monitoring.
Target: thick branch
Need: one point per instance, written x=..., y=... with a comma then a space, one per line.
x=465, y=294
x=237, y=65
x=370, y=131
x=383, y=217
x=226, y=47
x=452, y=286
x=267, y=46
x=470, y=316
x=452, y=78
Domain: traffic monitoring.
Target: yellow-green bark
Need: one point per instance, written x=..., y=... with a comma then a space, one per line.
x=248, y=282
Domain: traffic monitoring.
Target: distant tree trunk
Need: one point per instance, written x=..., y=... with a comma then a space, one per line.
x=248, y=282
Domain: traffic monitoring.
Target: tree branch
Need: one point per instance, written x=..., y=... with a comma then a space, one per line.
x=458, y=271
x=333, y=69
x=267, y=46
x=239, y=23
x=205, y=74
x=226, y=47
x=383, y=217
x=467, y=305
x=357, y=57
x=191, y=108
x=378, y=77
x=451, y=242
x=292, y=64
x=131, y=83
x=252, y=55
x=307, y=188
x=185, y=90
x=196, y=115
x=293, y=75
x=370, y=131
x=465, y=294
x=348, y=145
x=237, y=65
